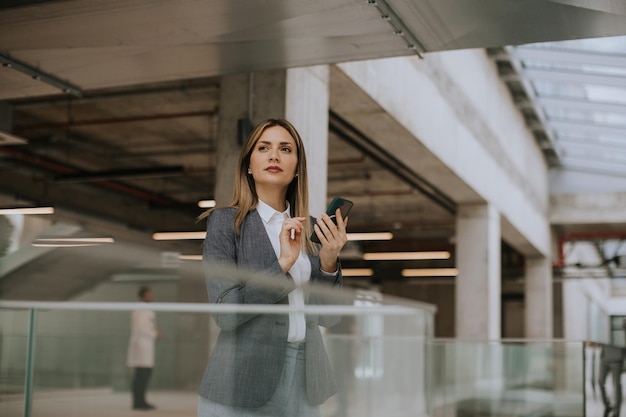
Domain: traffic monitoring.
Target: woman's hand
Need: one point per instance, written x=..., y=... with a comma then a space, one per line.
x=290, y=248
x=333, y=237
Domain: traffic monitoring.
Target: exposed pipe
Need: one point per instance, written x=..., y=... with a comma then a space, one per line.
x=560, y=263
x=95, y=122
x=350, y=134
x=57, y=167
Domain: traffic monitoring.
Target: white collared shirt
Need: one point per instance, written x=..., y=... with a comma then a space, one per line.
x=300, y=271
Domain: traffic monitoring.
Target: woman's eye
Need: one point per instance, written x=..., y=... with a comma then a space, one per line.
x=262, y=148
x=286, y=149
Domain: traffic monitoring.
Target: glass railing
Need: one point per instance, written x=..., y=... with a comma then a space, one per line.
x=69, y=358
x=383, y=357
x=506, y=378
x=604, y=366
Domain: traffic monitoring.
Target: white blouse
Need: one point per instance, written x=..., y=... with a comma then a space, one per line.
x=300, y=271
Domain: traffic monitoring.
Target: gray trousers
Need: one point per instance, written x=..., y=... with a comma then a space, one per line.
x=615, y=368
x=289, y=399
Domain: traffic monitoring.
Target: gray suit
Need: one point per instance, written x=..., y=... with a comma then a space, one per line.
x=247, y=362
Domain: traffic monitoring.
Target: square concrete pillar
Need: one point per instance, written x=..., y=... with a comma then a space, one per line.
x=478, y=299
x=538, y=298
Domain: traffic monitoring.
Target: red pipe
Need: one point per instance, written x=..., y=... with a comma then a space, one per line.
x=60, y=168
x=93, y=122
x=560, y=263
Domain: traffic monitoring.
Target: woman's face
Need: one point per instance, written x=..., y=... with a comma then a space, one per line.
x=274, y=159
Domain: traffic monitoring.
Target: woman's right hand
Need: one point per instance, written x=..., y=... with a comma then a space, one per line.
x=290, y=248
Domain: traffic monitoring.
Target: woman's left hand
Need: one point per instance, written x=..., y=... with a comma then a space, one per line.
x=333, y=237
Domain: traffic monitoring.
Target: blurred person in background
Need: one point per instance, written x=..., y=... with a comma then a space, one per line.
x=143, y=333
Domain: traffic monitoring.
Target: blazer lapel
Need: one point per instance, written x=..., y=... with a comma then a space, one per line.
x=257, y=248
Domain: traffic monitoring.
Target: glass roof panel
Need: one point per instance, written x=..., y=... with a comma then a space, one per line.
x=585, y=69
x=605, y=94
x=608, y=45
x=609, y=119
x=595, y=93
x=576, y=136
x=579, y=89
x=551, y=89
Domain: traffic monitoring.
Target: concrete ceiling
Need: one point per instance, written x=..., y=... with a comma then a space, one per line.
x=134, y=153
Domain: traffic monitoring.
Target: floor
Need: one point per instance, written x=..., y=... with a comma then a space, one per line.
x=100, y=403
x=106, y=403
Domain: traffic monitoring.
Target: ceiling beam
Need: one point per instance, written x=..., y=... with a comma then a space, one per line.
x=39, y=75
x=122, y=209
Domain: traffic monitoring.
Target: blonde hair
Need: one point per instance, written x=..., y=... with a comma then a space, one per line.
x=245, y=198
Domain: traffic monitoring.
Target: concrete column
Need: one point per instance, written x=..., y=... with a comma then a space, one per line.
x=234, y=105
x=6, y=117
x=538, y=298
x=307, y=108
x=478, y=299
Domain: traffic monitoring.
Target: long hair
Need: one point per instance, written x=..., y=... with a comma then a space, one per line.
x=245, y=198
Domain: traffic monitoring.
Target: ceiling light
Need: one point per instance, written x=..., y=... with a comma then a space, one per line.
x=370, y=236
x=435, y=272
x=9, y=139
x=78, y=239
x=178, y=235
x=62, y=245
x=405, y=256
x=206, y=203
x=27, y=210
x=357, y=272
x=190, y=257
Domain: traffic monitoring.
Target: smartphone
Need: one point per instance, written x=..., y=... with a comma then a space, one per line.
x=338, y=203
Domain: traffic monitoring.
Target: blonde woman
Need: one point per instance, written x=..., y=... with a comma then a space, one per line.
x=269, y=365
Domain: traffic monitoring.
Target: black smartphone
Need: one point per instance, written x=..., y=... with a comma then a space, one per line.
x=338, y=203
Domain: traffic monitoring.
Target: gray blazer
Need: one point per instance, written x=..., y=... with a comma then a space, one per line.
x=247, y=361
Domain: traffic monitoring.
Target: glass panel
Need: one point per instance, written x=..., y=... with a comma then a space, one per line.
x=585, y=69
x=375, y=345
x=599, y=139
x=600, y=118
x=561, y=90
x=611, y=45
x=605, y=94
x=13, y=341
x=506, y=378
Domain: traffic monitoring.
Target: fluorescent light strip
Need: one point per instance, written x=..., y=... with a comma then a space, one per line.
x=357, y=272
x=62, y=245
x=27, y=210
x=405, y=256
x=178, y=235
x=9, y=139
x=190, y=257
x=370, y=236
x=436, y=272
x=78, y=239
x=206, y=203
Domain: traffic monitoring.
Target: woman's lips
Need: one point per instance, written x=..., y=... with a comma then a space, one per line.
x=274, y=169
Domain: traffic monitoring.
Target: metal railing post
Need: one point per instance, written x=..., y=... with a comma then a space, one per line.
x=30, y=357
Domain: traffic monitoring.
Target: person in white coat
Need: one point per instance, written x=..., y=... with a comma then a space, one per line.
x=143, y=333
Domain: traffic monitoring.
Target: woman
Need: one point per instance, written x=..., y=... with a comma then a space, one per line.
x=262, y=364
